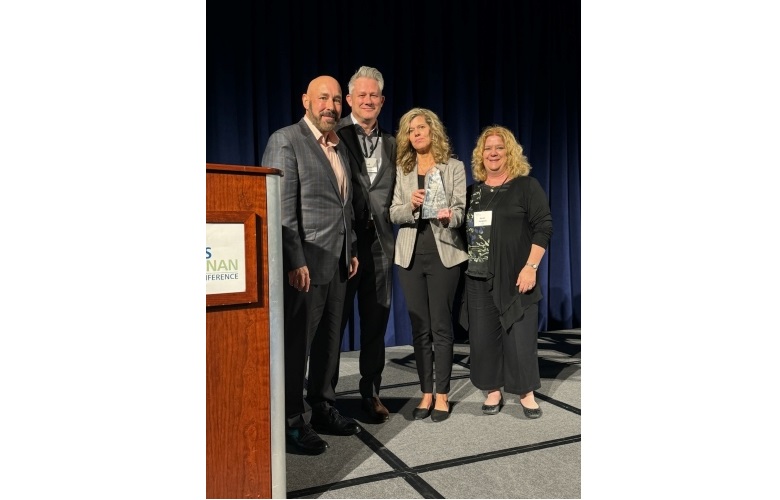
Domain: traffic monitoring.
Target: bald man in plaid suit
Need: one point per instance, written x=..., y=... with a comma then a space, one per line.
x=319, y=248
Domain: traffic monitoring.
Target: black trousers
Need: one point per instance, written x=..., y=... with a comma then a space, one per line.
x=372, y=285
x=429, y=289
x=312, y=328
x=501, y=359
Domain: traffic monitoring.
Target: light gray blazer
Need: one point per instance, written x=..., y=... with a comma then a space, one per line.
x=316, y=222
x=449, y=242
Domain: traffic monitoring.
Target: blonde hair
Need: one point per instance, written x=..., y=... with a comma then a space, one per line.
x=441, y=150
x=516, y=162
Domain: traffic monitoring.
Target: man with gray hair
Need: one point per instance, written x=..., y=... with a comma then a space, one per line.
x=371, y=153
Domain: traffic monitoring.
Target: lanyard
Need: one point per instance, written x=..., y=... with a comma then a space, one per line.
x=364, y=145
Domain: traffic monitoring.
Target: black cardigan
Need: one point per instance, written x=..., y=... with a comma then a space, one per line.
x=521, y=217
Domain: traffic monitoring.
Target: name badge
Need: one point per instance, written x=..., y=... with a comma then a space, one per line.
x=371, y=165
x=484, y=218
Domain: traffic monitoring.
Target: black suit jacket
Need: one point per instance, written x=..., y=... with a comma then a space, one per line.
x=372, y=196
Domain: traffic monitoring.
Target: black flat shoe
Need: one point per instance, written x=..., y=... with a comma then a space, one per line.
x=493, y=409
x=440, y=415
x=421, y=413
x=532, y=412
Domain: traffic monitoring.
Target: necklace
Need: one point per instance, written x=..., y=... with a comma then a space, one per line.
x=423, y=170
x=495, y=190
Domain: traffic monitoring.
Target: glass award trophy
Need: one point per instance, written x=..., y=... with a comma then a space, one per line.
x=435, y=197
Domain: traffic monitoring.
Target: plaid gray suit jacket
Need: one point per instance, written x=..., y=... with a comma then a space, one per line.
x=316, y=222
x=449, y=241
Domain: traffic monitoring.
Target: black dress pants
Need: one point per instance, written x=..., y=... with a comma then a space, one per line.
x=372, y=285
x=429, y=289
x=501, y=359
x=312, y=329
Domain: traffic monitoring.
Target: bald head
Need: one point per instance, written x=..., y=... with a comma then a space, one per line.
x=322, y=102
x=323, y=82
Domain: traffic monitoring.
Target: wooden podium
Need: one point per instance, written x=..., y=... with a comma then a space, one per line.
x=245, y=446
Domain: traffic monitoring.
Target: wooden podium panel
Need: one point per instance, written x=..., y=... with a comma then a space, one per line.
x=240, y=436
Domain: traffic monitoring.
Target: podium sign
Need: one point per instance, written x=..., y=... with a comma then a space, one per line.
x=231, y=258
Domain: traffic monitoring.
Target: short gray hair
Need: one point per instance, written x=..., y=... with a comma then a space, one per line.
x=367, y=72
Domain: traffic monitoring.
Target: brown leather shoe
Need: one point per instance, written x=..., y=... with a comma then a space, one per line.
x=375, y=409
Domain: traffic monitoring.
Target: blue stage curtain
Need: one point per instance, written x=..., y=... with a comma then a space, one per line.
x=515, y=64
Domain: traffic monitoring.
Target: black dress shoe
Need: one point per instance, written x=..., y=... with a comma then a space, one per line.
x=375, y=409
x=493, y=409
x=532, y=412
x=306, y=440
x=330, y=421
x=440, y=415
x=422, y=413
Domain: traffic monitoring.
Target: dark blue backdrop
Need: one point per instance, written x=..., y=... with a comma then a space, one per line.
x=512, y=63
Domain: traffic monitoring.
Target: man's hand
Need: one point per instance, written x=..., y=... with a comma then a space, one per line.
x=353, y=266
x=299, y=279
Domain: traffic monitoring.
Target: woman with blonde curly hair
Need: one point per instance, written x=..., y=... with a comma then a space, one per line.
x=429, y=204
x=508, y=228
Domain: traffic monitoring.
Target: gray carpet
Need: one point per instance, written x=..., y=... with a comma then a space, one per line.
x=470, y=455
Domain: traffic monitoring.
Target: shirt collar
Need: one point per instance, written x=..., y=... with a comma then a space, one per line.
x=374, y=131
x=329, y=139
